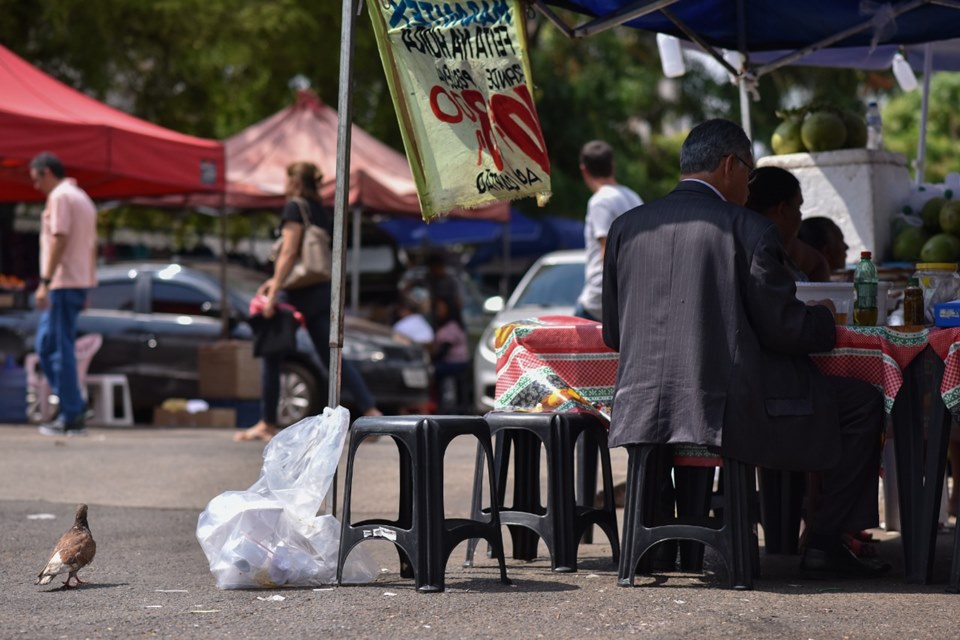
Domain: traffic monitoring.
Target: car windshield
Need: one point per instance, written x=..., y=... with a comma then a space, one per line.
x=553, y=285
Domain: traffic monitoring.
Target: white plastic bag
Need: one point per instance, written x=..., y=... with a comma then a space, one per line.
x=270, y=535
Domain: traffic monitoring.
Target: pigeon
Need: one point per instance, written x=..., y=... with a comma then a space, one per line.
x=74, y=551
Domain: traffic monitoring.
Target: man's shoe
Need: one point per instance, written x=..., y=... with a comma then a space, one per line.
x=60, y=427
x=839, y=562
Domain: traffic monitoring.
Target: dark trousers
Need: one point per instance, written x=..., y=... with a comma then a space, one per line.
x=848, y=498
x=314, y=304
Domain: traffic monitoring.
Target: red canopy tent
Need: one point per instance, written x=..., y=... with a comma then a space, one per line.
x=110, y=153
x=257, y=159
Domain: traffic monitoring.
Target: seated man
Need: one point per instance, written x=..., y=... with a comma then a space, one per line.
x=722, y=358
x=825, y=236
x=775, y=194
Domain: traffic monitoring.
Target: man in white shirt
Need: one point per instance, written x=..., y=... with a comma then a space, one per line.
x=609, y=200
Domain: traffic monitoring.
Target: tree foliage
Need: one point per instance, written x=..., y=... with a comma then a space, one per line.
x=901, y=125
x=213, y=67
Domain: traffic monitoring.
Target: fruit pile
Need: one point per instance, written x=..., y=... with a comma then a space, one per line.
x=11, y=282
x=818, y=128
x=931, y=236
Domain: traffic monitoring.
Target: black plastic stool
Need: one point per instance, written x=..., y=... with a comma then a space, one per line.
x=646, y=523
x=422, y=535
x=568, y=516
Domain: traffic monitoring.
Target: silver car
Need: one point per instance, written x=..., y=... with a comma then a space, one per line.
x=549, y=288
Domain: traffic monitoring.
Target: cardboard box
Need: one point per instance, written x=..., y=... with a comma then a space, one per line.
x=215, y=418
x=227, y=369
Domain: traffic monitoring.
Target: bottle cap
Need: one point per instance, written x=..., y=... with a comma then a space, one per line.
x=913, y=282
x=865, y=254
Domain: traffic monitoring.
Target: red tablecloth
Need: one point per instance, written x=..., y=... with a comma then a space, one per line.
x=560, y=363
x=554, y=363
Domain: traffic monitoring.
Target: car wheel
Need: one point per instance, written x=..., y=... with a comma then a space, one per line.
x=298, y=394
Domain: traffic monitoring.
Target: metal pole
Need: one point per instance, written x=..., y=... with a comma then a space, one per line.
x=355, y=264
x=505, y=272
x=742, y=75
x=339, y=276
x=924, y=113
x=745, y=107
x=224, y=299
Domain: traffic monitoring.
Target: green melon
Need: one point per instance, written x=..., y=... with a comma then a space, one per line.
x=908, y=244
x=856, y=130
x=950, y=217
x=786, y=137
x=942, y=247
x=823, y=131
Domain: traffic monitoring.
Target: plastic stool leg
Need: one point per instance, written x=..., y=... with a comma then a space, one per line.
x=587, y=452
x=476, y=501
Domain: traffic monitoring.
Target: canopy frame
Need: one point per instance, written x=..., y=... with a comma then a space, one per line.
x=747, y=76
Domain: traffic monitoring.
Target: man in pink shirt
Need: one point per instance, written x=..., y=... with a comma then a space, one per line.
x=68, y=263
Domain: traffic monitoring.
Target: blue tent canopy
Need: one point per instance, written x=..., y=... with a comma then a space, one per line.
x=411, y=233
x=769, y=25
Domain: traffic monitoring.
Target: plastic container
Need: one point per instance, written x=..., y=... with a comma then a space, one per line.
x=671, y=56
x=841, y=293
x=940, y=283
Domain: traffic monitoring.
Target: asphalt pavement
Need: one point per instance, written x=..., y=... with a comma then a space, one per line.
x=147, y=486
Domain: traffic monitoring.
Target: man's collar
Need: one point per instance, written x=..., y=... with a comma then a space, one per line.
x=712, y=188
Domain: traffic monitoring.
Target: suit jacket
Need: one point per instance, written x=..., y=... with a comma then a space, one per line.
x=713, y=342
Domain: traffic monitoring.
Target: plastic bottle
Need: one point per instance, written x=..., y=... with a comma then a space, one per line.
x=874, y=127
x=865, y=284
x=913, y=303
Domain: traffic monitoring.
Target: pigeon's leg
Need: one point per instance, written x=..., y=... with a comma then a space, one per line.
x=73, y=574
x=79, y=581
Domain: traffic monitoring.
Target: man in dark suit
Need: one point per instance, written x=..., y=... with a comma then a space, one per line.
x=714, y=345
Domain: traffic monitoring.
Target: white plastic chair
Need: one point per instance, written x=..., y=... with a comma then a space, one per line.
x=40, y=408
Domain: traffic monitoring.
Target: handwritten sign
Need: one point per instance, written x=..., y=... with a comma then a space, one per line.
x=459, y=78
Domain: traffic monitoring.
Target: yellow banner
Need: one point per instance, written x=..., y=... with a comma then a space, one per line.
x=459, y=77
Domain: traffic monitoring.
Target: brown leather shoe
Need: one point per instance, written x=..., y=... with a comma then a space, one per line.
x=839, y=562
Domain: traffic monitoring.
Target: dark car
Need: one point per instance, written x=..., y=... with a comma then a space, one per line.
x=153, y=317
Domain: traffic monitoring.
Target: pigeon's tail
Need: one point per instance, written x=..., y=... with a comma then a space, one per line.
x=43, y=579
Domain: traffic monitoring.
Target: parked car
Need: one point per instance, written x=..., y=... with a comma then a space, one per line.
x=550, y=287
x=153, y=317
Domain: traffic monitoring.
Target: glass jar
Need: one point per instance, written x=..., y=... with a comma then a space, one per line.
x=940, y=283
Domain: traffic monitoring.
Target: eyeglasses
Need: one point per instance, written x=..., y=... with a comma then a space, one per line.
x=749, y=165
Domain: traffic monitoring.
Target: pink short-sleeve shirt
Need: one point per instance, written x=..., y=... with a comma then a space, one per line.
x=70, y=212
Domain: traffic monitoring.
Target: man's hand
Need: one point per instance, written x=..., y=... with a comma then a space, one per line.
x=826, y=302
x=41, y=297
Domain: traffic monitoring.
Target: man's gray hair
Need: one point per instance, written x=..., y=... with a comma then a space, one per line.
x=709, y=142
